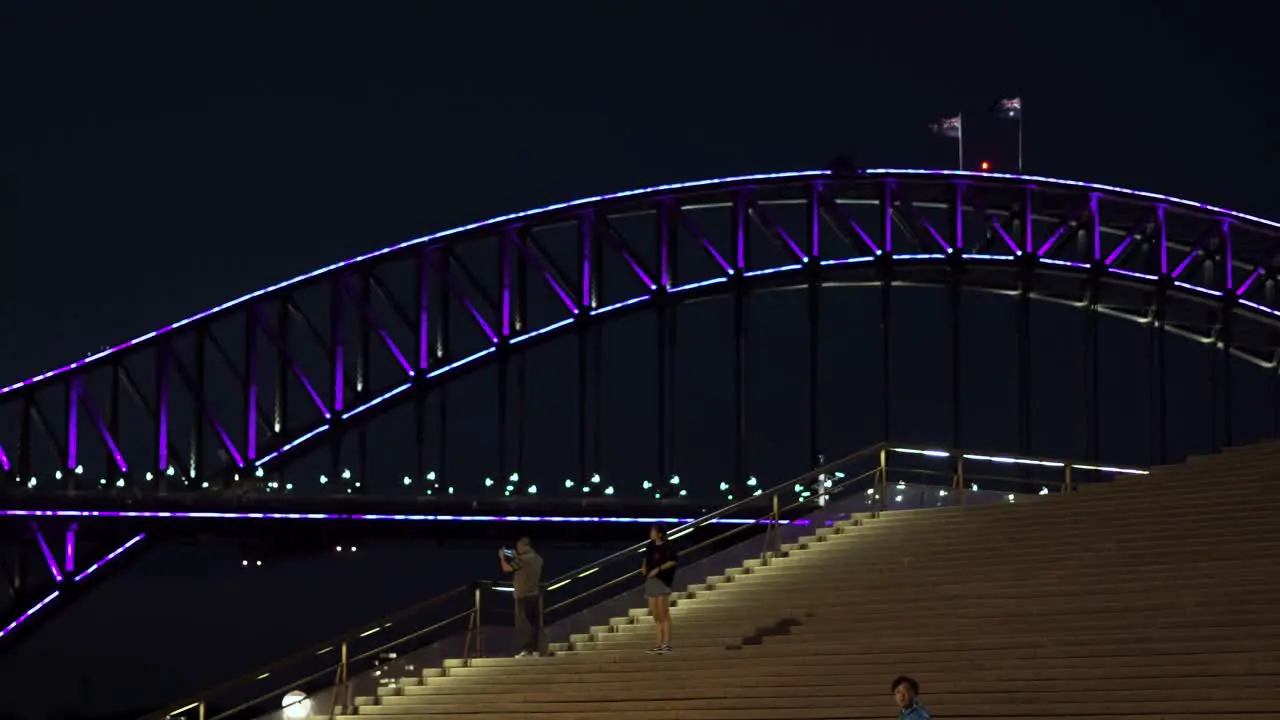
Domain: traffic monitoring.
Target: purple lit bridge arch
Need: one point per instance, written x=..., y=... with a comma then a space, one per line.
x=223, y=402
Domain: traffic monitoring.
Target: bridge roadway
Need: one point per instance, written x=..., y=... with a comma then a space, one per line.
x=442, y=518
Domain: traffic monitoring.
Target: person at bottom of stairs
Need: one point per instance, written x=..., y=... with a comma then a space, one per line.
x=906, y=693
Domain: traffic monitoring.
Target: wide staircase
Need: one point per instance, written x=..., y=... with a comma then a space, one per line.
x=1149, y=597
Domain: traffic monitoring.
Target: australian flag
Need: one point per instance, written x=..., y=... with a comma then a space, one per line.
x=1010, y=108
x=948, y=127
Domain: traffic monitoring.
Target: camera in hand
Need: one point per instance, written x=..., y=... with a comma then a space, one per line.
x=508, y=552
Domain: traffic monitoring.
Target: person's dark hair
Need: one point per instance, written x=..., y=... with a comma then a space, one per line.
x=909, y=682
x=660, y=529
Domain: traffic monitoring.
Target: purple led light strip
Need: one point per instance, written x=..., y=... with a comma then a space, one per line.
x=112, y=556
x=71, y=547
x=48, y=554
x=24, y=616
x=52, y=596
x=366, y=516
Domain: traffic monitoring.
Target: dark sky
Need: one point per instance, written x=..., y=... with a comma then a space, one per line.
x=157, y=159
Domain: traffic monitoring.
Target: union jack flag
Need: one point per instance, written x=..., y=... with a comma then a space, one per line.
x=1010, y=108
x=948, y=127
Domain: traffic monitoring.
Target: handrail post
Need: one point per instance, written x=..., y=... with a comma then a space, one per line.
x=543, y=642
x=479, y=607
x=774, y=527
x=882, y=481
x=1066, y=472
x=960, y=484
x=344, y=677
x=200, y=711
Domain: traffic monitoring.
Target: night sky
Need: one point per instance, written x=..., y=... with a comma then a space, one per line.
x=157, y=159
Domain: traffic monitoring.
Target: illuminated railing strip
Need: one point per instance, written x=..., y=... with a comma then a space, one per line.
x=1005, y=460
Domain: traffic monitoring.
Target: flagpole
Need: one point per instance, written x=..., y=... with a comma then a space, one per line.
x=960, y=141
x=1019, y=142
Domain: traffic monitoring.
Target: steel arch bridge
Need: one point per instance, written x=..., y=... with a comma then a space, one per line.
x=315, y=358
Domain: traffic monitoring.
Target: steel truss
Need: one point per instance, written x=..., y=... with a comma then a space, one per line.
x=43, y=561
x=313, y=359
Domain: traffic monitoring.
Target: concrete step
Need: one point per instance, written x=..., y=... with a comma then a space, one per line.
x=1079, y=564
x=842, y=652
x=1265, y=540
x=759, y=659
x=522, y=700
x=1097, y=601
x=816, y=622
x=870, y=682
x=1147, y=711
x=1264, y=576
x=1137, y=499
x=1257, y=665
x=834, y=594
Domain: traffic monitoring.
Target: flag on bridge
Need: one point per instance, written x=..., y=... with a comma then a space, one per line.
x=1010, y=108
x=952, y=127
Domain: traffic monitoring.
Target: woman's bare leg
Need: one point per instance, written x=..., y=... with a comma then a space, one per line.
x=655, y=611
x=664, y=624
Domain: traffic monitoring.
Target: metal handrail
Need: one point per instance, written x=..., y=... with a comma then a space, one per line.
x=772, y=516
x=338, y=666
x=337, y=641
x=771, y=520
x=717, y=514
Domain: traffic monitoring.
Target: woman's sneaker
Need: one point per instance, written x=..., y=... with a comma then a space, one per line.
x=658, y=650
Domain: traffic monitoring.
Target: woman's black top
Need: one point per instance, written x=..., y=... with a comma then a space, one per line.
x=655, y=556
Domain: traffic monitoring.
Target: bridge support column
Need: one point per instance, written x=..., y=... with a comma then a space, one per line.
x=1024, y=359
x=196, y=470
x=1227, y=326
x=953, y=305
x=955, y=288
x=1275, y=396
x=433, y=323
x=813, y=224
x=1156, y=371
x=590, y=250
x=1091, y=369
x=1215, y=403
x=886, y=361
x=363, y=373
x=668, y=227
x=740, y=346
x=885, y=270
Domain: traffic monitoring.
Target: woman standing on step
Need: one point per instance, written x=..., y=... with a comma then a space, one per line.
x=659, y=570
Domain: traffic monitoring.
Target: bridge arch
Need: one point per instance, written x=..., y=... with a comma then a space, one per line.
x=1203, y=272
x=217, y=400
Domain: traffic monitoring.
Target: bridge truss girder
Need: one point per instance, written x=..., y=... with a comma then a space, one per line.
x=239, y=391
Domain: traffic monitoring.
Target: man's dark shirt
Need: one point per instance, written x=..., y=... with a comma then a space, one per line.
x=526, y=572
x=655, y=556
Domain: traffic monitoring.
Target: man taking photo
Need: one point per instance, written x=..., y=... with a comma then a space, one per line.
x=525, y=567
